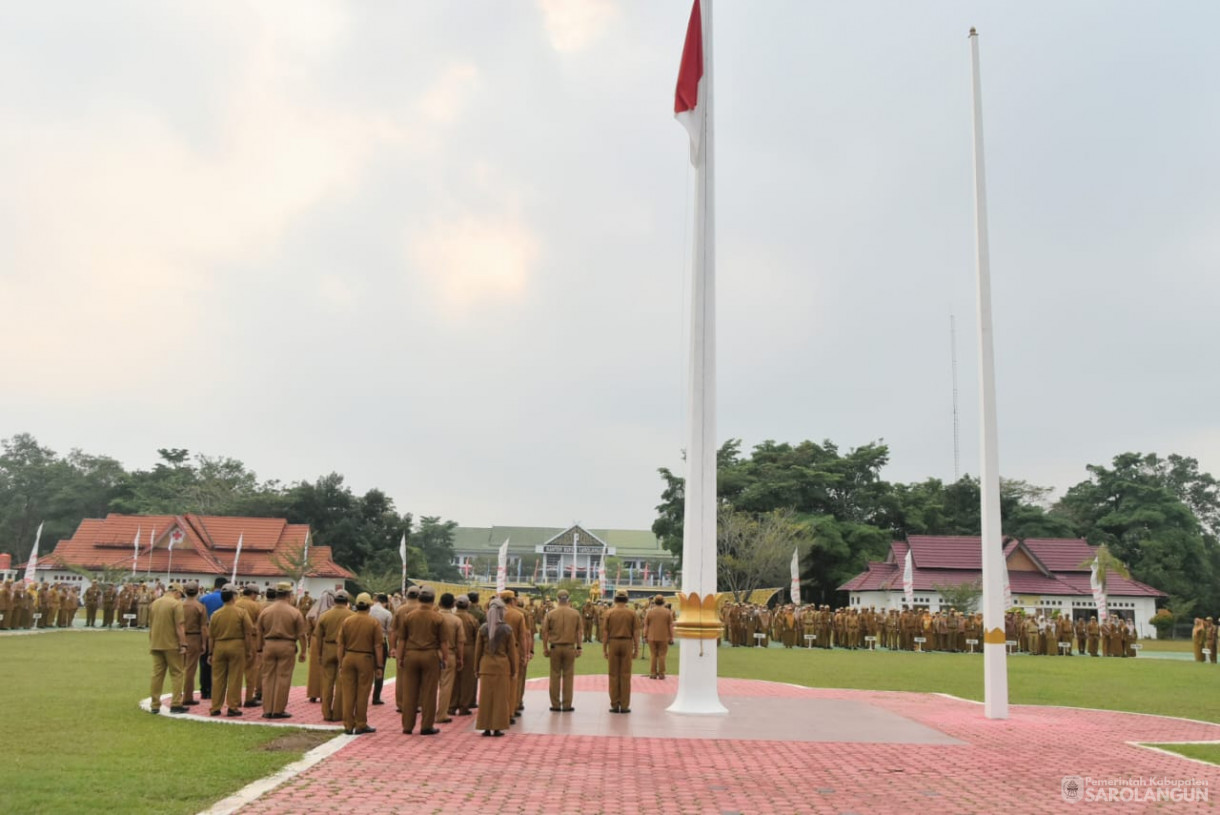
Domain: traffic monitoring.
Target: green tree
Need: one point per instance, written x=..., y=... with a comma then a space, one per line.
x=435, y=539
x=754, y=550
x=962, y=596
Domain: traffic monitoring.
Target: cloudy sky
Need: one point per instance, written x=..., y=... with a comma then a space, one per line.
x=443, y=248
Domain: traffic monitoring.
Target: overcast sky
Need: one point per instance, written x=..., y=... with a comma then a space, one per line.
x=443, y=248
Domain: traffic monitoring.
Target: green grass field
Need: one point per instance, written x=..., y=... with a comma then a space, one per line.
x=85, y=746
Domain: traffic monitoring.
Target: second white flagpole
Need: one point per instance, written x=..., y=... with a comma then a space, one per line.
x=995, y=658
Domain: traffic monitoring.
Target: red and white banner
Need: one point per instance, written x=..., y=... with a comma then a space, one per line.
x=687, y=97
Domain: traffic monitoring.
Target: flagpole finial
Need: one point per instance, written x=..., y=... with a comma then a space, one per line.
x=973, y=31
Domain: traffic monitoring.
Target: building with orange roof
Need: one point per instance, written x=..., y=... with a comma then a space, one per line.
x=192, y=547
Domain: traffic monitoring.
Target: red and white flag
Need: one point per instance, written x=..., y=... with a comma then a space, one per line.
x=689, y=97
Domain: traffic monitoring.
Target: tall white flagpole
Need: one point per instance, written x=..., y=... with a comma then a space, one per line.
x=698, y=623
x=995, y=658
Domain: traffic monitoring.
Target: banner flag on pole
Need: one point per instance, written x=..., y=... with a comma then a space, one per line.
x=687, y=108
x=237, y=556
x=1007, y=589
x=31, y=567
x=1099, y=592
x=908, y=580
x=601, y=568
x=135, y=554
x=502, y=567
x=795, y=591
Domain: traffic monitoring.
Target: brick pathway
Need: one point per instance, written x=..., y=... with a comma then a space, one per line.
x=981, y=766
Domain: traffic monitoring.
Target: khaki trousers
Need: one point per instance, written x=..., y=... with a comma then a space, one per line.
x=445, y=695
x=419, y=673
x=619, y=669
x=228, y=664
x=356, y=680
x=190, y=663
x=169, y=660
x=563, y=675
x=659, y=649
x=278, y=659
x=332, y=704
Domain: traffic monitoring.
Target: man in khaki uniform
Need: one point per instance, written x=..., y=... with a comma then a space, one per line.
x=231, y=635
x=167, y=644
x=454, y=635
x=327, y=633
x=6, y=606
x=515, y=619
x=659, y=632
x=361, y=644
x=400, y=614
x=280, y=629
x=468, y=680
x=563, y=632
x=622, y=628
x=422, y=651
x=254, y=680
x=195, y=622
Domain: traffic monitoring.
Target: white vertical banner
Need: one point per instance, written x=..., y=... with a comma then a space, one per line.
x=304, y=563
x=1099, y=591
x=135, y=554
x=601, y=568
x=31, y=566
x=795, y=590
x=908, y=579
x=236, y=557
x=502, y=567
x=402, y=555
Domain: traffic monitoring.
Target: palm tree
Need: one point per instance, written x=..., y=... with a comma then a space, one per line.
x=1105, y=562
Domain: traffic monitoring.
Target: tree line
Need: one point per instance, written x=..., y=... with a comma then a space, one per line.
x=38, y=485
x=1158, y=515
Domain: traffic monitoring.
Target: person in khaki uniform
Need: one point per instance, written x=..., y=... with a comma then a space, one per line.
x=659, y=631
x=454, y=635
x=195, y=622
x=562, y=636
x=282, y=640
x=422, y=651
x=361, y=652
x=327, y=633
x=496, y=657
x=525, y=642
x=167, y=644
x=231, y=634
x=249, y=604
x=622, y=629
x=468, y=675
x=400, y=614
x=6, y=606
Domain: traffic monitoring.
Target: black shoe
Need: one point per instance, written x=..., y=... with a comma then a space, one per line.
x=252, y=703
x=567, y=709
x=233, y=712
x=154, y=710
x=362, y=730
x=347, y=732
x=214, y=713
x=282, y=715
x=474, y=707
x=498, y=733
x=191, y=703
x=556, y=709
x=486, y=732
x=614, y=710
x=406, y=732
x=429, y=731
x=314, y=699
x=270, y=716
x=624, y=710
x=463, y=713
x=179, y=709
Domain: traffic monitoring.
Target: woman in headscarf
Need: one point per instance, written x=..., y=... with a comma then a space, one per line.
x=313, y=686
x=495, y=654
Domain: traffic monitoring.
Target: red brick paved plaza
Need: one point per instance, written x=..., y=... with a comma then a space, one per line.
x=782, y=749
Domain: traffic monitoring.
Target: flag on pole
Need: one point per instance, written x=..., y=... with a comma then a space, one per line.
x=152, y=541
x=304, y=562
x=1007, y=589
x=688, y=96
x=31, y=567
x=601, y=568
x=502, y=567
x=1099, y=592
x=402, y=555
x=795, y=591
x=237, y=556
x=135, y=553
x=908, y=580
